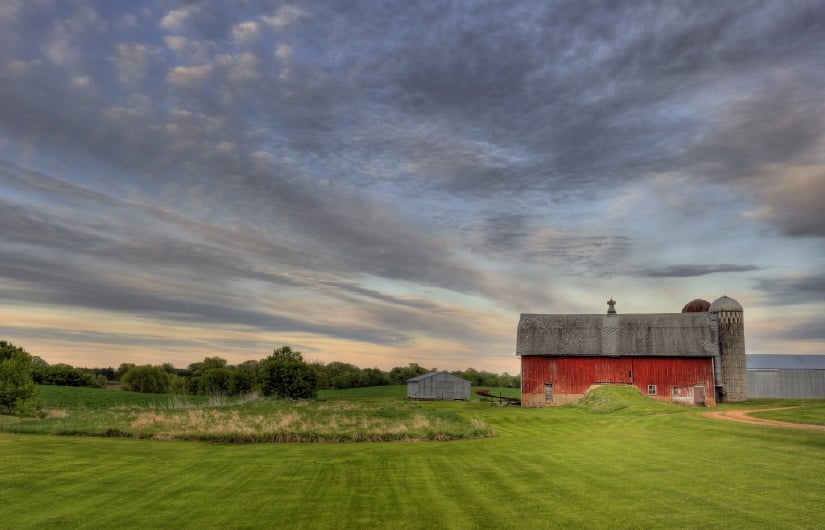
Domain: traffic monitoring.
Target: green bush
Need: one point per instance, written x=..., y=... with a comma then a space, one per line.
x=285, y=374
x=66, y=375
x=147, y=379
x=17, y=389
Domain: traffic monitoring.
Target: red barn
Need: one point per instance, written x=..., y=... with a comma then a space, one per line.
x=669, y=356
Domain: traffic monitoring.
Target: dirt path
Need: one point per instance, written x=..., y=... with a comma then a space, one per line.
x=743, y=416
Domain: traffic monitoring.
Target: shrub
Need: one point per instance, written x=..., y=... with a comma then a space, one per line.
x=285, y=374
x=17, y=389
x=147, y=379
x=65, y=375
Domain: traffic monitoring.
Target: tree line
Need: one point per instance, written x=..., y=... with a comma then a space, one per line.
x=284, y=373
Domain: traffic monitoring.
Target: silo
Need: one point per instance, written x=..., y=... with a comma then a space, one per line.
x=731, y=348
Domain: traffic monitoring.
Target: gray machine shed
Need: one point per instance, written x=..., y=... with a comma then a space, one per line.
x=786, y=376
x=438, y=385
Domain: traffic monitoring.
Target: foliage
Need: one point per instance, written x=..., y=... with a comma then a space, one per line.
x=65, y=375
x=17, y=388
x=284, y=374
x=482, y=378
x=108, y=374
x=147, y=379
x=400, y=374
x=213, y=376
x=215, y=381
x=122, y=369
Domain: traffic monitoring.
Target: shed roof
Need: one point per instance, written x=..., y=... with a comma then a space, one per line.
x=639, y=335
x=786, y=362
x=431, y=374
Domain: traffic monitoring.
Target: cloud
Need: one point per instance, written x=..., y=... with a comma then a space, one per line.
x=797, y=289
x=176, y=18
x=688, y=270
x=82, y=82
x=244, y=31
x=133, y=60
x=188, y=75
x=284, y=16
x=810, y=330
x=791, y=199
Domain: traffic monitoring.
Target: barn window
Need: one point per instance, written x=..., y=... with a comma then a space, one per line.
x=675, y=390
x=651, y=390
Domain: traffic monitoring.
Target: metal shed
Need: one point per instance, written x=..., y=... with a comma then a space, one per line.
x=786, y=376
x=438, y=385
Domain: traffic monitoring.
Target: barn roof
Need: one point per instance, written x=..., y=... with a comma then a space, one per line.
x=640, y=335
x=786, y=362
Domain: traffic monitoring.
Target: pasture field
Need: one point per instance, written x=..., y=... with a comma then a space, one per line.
x=618, y=461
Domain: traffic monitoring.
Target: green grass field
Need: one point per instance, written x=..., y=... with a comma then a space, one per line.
x=622, y=461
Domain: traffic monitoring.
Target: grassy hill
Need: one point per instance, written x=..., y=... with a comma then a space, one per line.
x=620, y=462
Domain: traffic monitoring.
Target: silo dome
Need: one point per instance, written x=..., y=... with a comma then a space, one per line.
x=725, y=303
x=696, y=306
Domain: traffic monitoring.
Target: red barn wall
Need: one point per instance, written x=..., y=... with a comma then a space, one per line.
x=572, y=376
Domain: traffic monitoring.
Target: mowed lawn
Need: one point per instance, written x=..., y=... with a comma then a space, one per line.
x=637, y=464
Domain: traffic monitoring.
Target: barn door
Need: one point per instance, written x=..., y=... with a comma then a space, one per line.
x=548, y=392
x=699, y=395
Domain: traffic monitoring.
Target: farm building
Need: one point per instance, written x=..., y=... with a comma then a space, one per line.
x=786, y=376
x=693, y=357
x=438, y=385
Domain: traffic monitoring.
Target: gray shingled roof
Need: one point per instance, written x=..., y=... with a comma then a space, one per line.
x=641, y=335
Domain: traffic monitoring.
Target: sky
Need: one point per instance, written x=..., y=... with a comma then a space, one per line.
x=381, y=183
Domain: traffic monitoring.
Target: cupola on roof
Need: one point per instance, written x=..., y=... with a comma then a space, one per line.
x=696, y=306
x=725, y=303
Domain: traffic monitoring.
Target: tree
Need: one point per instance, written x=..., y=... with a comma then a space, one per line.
x=208, y=363
x=400, y=374
x=285, y=374
x=147, y=379
x=17, y=389
x=66, y=375
x=215, y=382
x=122, y=369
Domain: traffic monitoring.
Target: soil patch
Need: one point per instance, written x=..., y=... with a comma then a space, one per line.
x=743, y=416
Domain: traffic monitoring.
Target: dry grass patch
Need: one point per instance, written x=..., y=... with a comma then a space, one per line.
x=265, y=421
